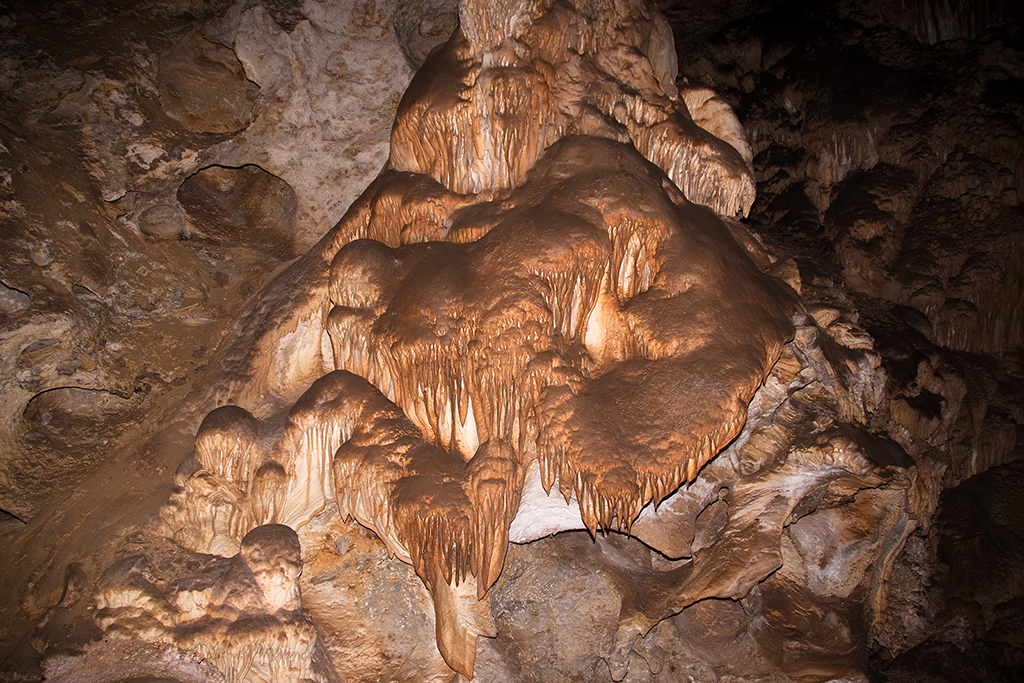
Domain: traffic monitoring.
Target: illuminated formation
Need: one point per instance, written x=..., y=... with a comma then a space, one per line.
x=547, y=278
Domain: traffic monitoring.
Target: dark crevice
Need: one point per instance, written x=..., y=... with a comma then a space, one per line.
x=13, y=289
x=10, y=523
x=7, y=516
x=123, y=395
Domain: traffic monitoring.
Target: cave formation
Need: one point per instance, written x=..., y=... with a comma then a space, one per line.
x=560, y=396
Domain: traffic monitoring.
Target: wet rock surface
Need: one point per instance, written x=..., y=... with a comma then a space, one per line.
x=161, y=162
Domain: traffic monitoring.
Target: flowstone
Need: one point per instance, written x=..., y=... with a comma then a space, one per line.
x=544, y=316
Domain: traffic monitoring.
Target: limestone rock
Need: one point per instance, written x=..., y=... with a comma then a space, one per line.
x=203, y=87
x=588, y=50
x=575, y=325
x=241, y=613
x=423, y=26
x=243, y=205
x=163, y=222
x=333, y=82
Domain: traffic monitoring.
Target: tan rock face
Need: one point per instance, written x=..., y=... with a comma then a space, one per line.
x=243, y=205
x=203, y=87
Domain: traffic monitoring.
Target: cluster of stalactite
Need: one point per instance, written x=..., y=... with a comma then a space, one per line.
x=507, y=337
x=532, y=282
x=482, y=111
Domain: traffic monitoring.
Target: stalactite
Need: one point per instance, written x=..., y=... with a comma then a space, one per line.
x=464, y=120
x=512, y=292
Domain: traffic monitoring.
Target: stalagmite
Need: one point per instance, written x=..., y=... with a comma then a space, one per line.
x=318, y=423
x=213, y=508
x=242, y=613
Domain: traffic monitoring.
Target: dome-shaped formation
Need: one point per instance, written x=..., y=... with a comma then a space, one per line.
x=531, y=284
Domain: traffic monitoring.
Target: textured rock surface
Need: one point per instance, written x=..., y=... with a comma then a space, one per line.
x=591, y=301
x=203, y=87
x=242, y=614
x=865, y=521
x=95, y=155
x=243, y=205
